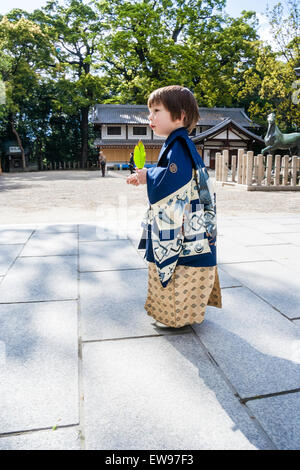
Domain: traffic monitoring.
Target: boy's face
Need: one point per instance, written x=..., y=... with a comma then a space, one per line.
x=161, y=121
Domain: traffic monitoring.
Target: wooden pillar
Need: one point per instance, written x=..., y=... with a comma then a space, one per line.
x=249, y=170
x=218, y=166
x=225, y=165
x=255, y=168
x=285, y=165
x=233, y=168
x=294, y=170
x=240, y=166
x=269, y=169
x=260, y=169
x=277, y=170
x=244, y=172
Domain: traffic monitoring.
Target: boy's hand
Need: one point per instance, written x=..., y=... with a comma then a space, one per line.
x=133, y=179
x=140, y=177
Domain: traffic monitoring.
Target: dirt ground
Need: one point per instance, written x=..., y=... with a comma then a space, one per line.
x=81, y=196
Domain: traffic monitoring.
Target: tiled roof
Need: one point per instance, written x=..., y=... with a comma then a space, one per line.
x=138, y=114
x=121, y=114
x=223, y=124
x=212, y=116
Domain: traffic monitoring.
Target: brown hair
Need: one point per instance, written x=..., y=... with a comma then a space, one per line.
x=177, y=99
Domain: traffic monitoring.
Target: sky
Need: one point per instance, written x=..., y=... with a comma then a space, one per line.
x=234, y=8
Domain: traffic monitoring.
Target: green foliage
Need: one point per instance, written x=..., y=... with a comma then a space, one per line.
x=59, y=61
x=284, y=20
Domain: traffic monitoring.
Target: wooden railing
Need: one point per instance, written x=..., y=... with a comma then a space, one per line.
x=258, y=172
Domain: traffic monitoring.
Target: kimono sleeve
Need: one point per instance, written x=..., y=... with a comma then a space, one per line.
x=169, y=191
x=164, y=180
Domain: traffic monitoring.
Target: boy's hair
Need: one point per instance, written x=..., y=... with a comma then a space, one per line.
x=177, y=99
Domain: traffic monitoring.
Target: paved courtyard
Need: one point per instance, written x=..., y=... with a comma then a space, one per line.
x=81, y=364
x=73, y=196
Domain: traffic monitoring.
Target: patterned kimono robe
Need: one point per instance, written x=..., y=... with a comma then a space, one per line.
x=181, y=219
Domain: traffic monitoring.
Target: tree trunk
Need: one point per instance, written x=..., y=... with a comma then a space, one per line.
x=15, y=132
x=39, y=157
x=84, y=127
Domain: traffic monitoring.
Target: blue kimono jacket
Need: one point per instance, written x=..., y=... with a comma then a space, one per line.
x=181, y=219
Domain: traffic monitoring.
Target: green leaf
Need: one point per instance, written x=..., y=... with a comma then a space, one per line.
x=139, y=156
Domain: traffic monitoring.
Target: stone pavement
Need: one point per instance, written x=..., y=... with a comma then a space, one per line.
x=83, y=367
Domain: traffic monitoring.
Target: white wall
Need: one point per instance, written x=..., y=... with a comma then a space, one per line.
x=131, y=136
x=113, y=137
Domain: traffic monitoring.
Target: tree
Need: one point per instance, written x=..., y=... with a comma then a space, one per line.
x=221, y=52
x=267, y=87
x=24, y=48
x=148, y=44
x=269, y=84
x=157, y=43
x=75, y=29
x=284, y=20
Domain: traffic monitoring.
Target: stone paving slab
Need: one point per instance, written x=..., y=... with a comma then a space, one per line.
x=16, y=227
x=282, y=218
x=109, y=255
x=14, y=236
x=135, y=240
x=39, y=365
x=278, y=252
x=273, y=227
x=250, y=340
x=56, y=228
x=292, y=265
x=8, y=254
x=47, y=244
x=258, y=221
x=59, y=439
x=229, y=251
x=226, y=280
x=274, y=282
x=279, y=417
x=40, y=279
x=231, y=222
x=161, y=393
x=290, y=238
x=98, y=232
x=112, y=305
x=248, y=236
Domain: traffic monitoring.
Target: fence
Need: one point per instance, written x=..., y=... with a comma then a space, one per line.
x=71, y=165
x=258, y=173
x=76, y=165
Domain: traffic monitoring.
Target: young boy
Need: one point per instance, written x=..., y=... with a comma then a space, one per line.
x=180, y=225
